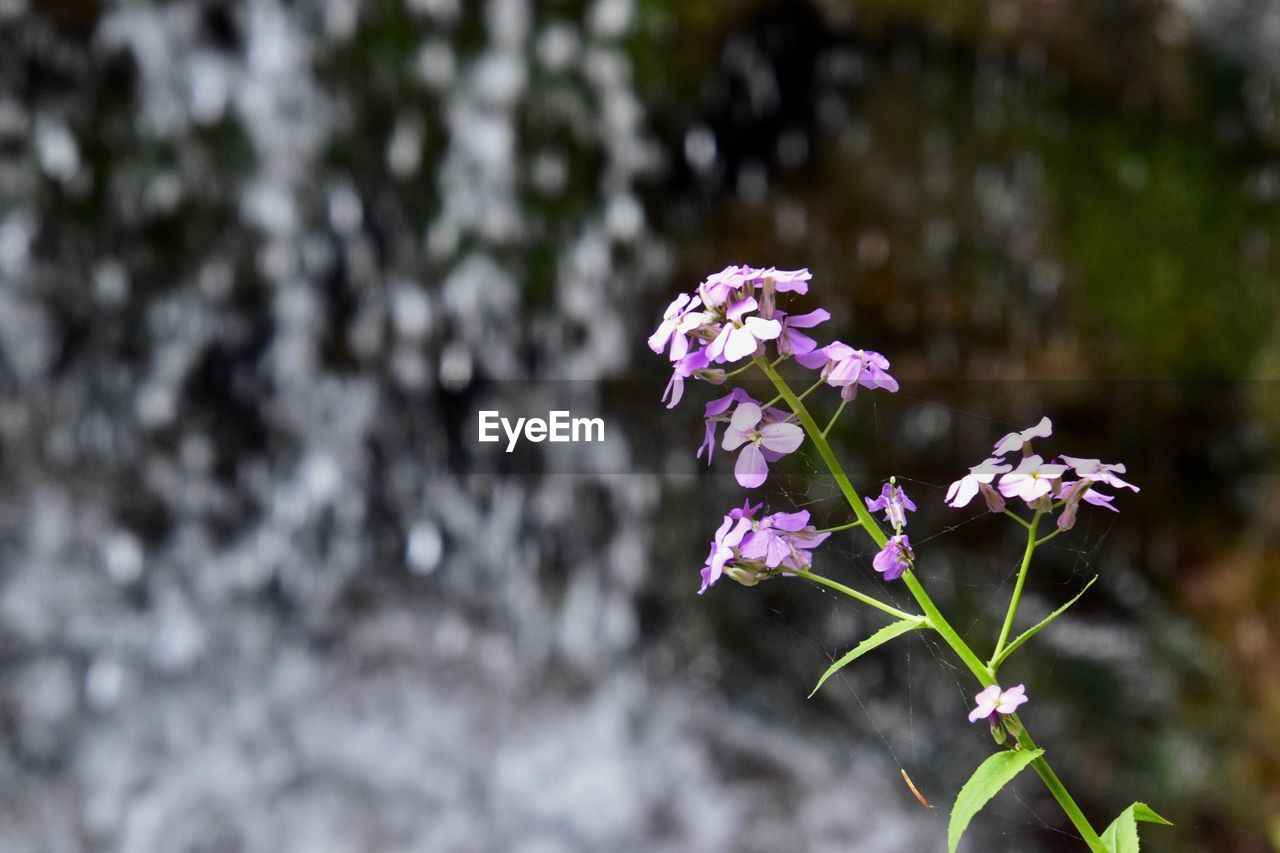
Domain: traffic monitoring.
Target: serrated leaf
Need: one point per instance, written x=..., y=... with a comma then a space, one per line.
x=880, y=637
x=1035, y=629
x=991, y=775
x=1122, y=835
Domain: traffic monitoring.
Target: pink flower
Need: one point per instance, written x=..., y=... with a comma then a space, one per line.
x=746, y=431
x=683, y=369
x=741, y=335
x=783, y=539
x=994, y=703
x=1099, y=472
x=1031, y=479
x=963, y=490
x=1019, y=440
x=791, y=342
x=678, y=321
x=721, y=287
x=781, y=281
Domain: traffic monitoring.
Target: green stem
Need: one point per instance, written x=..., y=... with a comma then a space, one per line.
x=848, y=526
x=935, y=618
x=1044, y=539
x=1017, y=518
x=1017, y=587
x=834, y=418
x=853, y=593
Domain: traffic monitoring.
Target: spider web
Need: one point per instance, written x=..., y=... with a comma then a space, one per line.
x=846, y=556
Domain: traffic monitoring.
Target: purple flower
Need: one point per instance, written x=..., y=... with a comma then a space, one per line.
x=783, y=539
x=715, y=413
x=791, y=342
x=1032, y=479
x=684, y=368
x=1099, y=472
x=721, y=287
x=979, y=476
x=895, y=558
x=746, y=431
x=741, y=335
x=1019, y=440
x=678, y=321
x=994, y=703
x=781, y=281
x=846, y=368
x=735, y=526
x=895, y=503
x=1073, y=494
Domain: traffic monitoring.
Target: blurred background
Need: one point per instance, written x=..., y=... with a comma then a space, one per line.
x=261, y=263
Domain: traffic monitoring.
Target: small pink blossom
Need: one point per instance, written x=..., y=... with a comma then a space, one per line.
x=1032, y=479
x=1073, y=494
x=895, y=504
x=1018, y=440
x=746, y=431
x=994, y=703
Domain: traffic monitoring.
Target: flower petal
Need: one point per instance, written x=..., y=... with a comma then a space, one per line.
x=750, y=470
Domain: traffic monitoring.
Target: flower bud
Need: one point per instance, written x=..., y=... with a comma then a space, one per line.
x=1012, y=725
x=714, y=375
x=995, y=500
x=997, y=730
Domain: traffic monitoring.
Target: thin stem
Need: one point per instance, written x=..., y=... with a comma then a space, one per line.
x=935, y=618
x=1017, y=518
x=834, y=418
x=1044, y=539
x=848, y=526
x=743, y=369
x=1060, y=793
x=1017, y=587
x=853, y=593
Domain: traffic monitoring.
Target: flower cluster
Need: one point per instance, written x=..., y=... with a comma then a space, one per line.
x=1043, y=486
x=731, y=316
x=896, y=556
x=750, y=550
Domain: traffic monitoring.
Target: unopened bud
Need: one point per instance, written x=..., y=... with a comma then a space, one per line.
x=1013, y=725
x=995, y=500
x=997, y=731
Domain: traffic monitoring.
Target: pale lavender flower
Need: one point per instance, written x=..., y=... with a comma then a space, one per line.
x=741, y=335
x=682, y=370
x=716, y=412
x=846, y=368
x=791, y=342
x=746, y=431
x=963, y=490
x=1032, y=479
x=994, y=703
x=1075, y=492
x=1019, y=440
x=781, y=281
x=735, y=526
x=680, y=318
x=895, y=558
x=895, y=503
x=722, y=287
x=1099, y=472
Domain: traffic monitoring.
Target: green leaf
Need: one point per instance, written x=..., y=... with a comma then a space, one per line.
x=991, y=775
x=880, y=637
x=1035, y=629
x=1122, y=835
